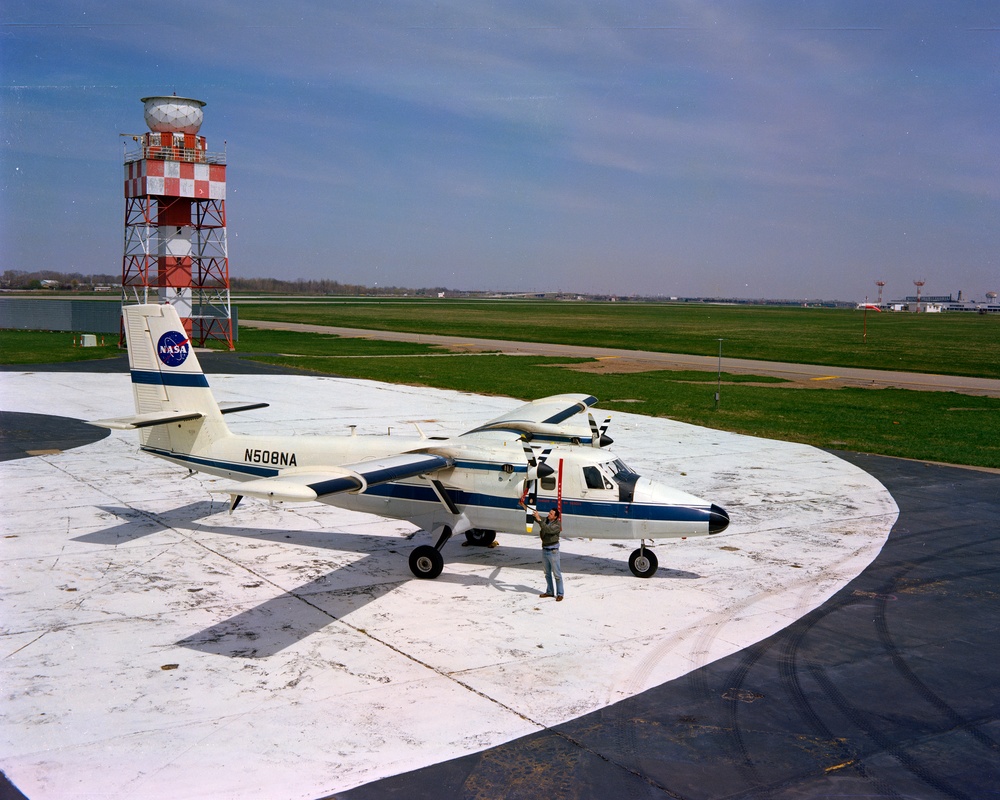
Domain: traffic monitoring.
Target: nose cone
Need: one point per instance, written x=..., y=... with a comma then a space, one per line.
x=718, y=519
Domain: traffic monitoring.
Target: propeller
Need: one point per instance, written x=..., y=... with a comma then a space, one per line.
x=537, y=468
x=599, y=436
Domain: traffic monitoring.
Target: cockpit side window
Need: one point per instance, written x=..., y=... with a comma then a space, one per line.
x=594, y=479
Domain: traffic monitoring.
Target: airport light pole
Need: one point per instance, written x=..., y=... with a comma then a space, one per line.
x=718, y=387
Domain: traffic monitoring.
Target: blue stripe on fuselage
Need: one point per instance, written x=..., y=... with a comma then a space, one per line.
x=584, y=508
x=424, y=493
x=195, y=379
x=249, y=470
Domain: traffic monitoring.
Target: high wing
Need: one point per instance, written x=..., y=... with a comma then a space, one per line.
x=302, y=484
x=542, y=417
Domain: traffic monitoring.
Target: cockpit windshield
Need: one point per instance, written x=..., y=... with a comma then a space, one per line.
x=612, y=475
x=626, y=478
x=623, y=472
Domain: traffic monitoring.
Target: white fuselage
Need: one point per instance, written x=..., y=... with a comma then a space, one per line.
x=486, y=483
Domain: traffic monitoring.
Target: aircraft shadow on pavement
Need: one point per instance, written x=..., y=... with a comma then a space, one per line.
x=136, y=524
x=291, y=616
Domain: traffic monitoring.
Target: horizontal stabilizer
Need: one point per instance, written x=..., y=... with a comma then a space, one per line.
x=233, y=408
x=145, y=420
x=302, y=484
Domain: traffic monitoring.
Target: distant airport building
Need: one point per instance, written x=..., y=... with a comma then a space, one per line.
x=938, y=304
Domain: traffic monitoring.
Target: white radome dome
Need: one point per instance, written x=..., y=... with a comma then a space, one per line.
x=173, y=114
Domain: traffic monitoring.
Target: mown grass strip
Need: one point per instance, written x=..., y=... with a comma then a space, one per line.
x=933, y=426
x=46, y=347
x=950, y=344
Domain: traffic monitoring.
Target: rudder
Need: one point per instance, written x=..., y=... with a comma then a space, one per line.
x=167, y=378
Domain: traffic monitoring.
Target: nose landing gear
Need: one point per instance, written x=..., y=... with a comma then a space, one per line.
x=643, y=562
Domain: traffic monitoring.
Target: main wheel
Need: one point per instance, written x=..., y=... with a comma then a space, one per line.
x=643, y=563
x=480, y=537
x=426, y=562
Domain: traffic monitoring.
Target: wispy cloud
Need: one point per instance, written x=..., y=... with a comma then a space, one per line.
x=467, y=136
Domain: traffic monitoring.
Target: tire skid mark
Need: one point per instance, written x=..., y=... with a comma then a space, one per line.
x=789, y=671
x=870, y=728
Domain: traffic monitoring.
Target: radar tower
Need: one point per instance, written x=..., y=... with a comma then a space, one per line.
x=175, y=220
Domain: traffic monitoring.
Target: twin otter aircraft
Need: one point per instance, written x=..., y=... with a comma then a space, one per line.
x=489, y=479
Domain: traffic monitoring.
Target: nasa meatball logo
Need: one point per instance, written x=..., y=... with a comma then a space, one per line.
x=173, y=348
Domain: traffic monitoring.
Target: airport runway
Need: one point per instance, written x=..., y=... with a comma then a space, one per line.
x=155, y=646
x=811, y=374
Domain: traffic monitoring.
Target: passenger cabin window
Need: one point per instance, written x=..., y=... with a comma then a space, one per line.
x=595, y=480
x=549, y=483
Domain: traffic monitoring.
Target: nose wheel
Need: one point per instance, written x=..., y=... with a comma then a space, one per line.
x=643, y=562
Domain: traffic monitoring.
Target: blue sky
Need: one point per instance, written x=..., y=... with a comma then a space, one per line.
x=752, y=149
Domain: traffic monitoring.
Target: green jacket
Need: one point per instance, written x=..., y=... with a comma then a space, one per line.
x=549, y=531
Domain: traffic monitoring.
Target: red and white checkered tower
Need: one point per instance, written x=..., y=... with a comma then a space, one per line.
x=175, y=220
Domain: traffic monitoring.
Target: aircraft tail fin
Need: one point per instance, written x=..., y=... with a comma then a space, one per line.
x=175, y=409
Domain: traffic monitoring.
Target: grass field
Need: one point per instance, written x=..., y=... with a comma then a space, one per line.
x=954, y=344
x=934, y=426
x=45, y=347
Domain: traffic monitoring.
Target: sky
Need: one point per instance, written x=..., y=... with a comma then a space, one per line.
x=750, y=148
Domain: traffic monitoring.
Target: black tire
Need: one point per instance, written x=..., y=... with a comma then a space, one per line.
x=643, y=563
x=426, y=562
x=480, y=537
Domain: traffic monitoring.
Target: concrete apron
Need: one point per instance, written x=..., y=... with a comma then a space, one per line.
x=156, y=646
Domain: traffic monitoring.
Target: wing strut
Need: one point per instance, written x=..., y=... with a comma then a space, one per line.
x=445, y=498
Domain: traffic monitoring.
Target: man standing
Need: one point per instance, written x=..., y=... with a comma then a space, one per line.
x=549, y=530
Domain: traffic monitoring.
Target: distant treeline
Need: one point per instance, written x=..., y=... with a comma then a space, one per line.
x=75, y=281
x=49, y=279
x=324, y=287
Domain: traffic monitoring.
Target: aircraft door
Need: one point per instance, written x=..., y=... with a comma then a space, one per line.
x=594, y=493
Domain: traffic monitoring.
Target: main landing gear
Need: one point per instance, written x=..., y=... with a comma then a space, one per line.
x=643, y=562
x=426, y=561
x=480, y=537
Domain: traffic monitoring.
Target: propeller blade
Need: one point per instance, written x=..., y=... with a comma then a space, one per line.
x=530, y=496
x=537, y=468
x=598, y=436
x=606, y=441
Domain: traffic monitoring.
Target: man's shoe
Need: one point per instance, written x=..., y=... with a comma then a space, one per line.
x=545, y=594
x=559, y=599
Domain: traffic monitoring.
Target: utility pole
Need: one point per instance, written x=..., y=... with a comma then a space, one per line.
x=718, y=388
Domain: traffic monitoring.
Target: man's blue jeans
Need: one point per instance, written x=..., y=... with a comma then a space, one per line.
x=550, y=559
